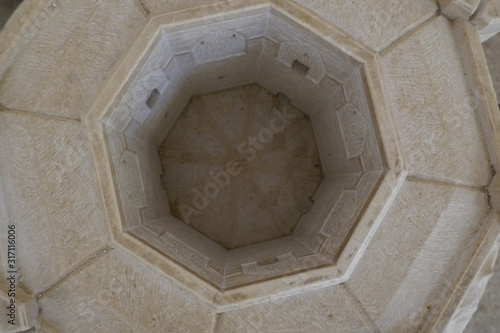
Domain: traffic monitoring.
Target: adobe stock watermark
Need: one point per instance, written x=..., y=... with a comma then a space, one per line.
x=248, y=150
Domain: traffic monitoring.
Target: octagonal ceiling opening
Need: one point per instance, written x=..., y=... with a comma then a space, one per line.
x=267, y=57
x=240, y=166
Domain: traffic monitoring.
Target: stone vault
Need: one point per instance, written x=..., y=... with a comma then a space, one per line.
x=248, y=165
x=189, y=84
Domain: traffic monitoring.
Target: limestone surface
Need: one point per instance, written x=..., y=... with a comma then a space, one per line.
x=397, y=237
x=265, y=195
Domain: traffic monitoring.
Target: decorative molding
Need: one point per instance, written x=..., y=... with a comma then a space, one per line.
x=487, y=19
x=283, y=262
x=353, y=127
x=342, y=213
x=470, y=302
x=219, y=45
x=455, y=9
x=182, y=251
x=305, y=54
x=142, y=90
x=484, y=14
x=130, y=176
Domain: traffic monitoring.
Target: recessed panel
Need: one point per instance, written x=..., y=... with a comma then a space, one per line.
x=244, y=148
x=241, y=166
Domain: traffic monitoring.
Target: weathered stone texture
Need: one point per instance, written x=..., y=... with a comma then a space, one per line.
x=416, y=243
x=480, y=314
x=328, y=310
x=436, y=119
x=119, y=293
x=50, y=194
x=424, y=218
x=376, y=23
x=80, y=45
